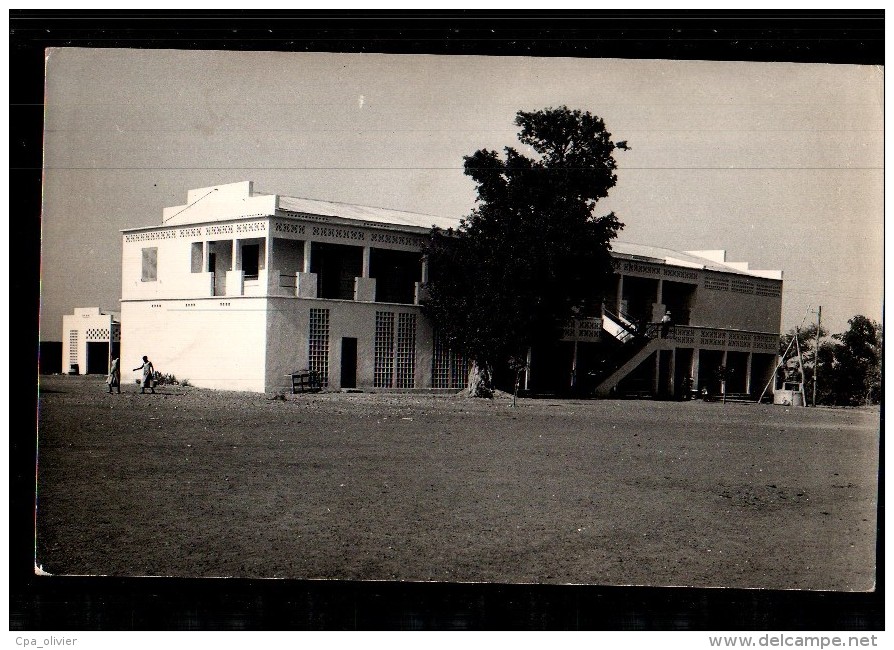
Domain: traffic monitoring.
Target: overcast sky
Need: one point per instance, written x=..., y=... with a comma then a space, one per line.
x=780, y=164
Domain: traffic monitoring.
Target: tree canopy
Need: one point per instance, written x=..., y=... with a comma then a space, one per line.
x=531, y=254
x=847, y=369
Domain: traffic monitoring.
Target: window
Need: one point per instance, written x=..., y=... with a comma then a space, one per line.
x=150, y=265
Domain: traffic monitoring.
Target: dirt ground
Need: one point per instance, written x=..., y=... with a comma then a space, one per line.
x=192, y=482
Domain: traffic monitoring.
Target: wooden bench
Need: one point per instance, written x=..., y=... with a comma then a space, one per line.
x=305, y=381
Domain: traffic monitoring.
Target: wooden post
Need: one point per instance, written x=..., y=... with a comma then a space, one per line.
x=819, y=317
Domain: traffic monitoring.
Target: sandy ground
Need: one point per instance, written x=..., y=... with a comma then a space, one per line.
x=192, y=482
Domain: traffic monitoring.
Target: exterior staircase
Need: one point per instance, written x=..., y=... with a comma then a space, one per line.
x=636, y=344
x=644, y=349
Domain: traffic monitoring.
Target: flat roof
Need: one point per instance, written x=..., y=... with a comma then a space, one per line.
x=365, y=213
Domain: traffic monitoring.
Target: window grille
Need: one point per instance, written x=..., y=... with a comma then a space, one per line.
x=97, y=334
x=318, y=345
x=383, y=369
x=717, y=284
x=72, y=346
x=767, y=289
x=741, y=286
x=406, y=350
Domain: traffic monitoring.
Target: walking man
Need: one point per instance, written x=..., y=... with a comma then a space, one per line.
x=148, y=375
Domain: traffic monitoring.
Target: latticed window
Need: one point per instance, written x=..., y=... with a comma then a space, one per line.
x=318, y=344
x=72, y=346
x=448, y=369
x=97, y=334
x=406, y=350
x=383, y=369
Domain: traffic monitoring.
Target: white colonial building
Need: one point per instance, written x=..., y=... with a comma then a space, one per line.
x=237, y=290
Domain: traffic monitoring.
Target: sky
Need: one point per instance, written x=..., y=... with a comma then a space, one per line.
x=781, y=164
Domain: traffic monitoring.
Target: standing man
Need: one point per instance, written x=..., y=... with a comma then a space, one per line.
x=114, y=378
x=665, y=324
x=148, y=375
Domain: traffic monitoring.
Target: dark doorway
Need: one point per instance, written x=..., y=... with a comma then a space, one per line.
x=348, y=362
x=665, y=361
x=251, y=254
x=97, y=357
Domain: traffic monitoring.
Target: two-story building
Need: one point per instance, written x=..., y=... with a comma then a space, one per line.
x=237, y=289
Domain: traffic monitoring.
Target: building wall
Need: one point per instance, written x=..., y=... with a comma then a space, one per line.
x=213, y=342
x=288, y=328
x=738, y=302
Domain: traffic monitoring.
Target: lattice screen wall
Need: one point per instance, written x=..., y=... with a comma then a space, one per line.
x=72, y=346
x=448, y=369
x=318, y=344
x=406, y=350
x=383, y=368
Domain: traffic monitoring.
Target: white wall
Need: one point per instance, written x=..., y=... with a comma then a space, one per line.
x=214, y=343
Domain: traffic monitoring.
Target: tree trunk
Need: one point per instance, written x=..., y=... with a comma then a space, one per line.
x=480, y=380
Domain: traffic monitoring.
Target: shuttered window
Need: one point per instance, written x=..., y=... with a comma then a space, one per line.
x=150, y=264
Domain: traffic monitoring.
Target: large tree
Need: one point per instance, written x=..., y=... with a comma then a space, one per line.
x=532, y=253
x=855, y=364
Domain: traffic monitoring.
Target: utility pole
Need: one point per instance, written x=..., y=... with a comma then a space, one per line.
x=819, y=318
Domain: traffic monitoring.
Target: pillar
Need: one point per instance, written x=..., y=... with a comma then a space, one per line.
x=748, y=373
x=673, y=371
x=364, y=273
x=307, y=247
x=268, y=252
x=618, y=308
x=528, y=371
x=424, y=270
x=694, y=371
x=206, y=253
x=237, y=255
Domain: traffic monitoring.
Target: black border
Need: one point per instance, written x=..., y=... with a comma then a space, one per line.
x=851, y=37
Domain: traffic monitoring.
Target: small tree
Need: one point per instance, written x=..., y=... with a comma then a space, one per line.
x=531, y=251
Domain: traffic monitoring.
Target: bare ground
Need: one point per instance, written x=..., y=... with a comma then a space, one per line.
x=192, y=482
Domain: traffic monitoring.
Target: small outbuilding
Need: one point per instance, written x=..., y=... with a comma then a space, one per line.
x=91, y=338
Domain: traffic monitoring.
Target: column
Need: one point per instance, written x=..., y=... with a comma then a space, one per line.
x=694, y=371
x=307, y=247
x=237, y=255
x=673, y=371
x=528, y=371
x=424, y=270
x=618, y=308
x=364, y=273
x=268, y=253
x=206, y=252
x=748, y=373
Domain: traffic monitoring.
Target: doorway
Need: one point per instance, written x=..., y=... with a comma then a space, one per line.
x=348, y=362
x=97, y=357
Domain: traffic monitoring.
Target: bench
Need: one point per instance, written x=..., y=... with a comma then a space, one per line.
x=305, y=381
